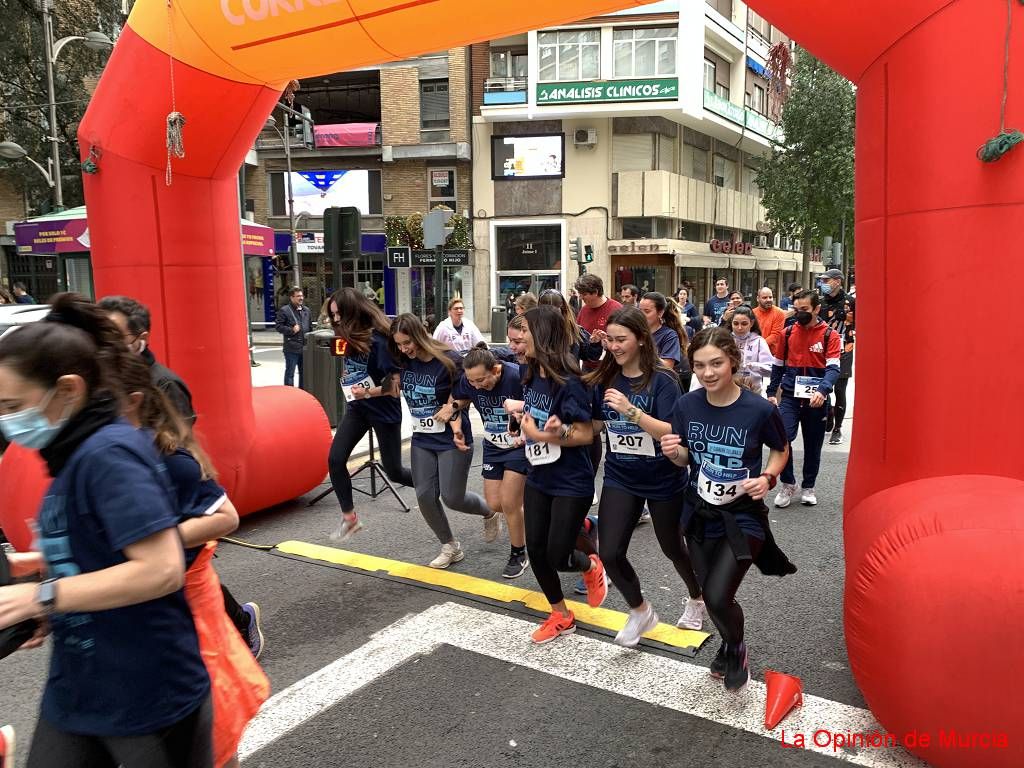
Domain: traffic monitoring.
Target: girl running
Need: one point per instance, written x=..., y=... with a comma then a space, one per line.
x=488, y=383
x=123, y=631
x=371, y=389
x=638, y=395
x=719, y=433
x=440, y=468
x=556, y=422
x=757, y=357
x=666, y=326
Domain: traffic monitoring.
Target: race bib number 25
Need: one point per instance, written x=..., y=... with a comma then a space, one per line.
x=806, y=386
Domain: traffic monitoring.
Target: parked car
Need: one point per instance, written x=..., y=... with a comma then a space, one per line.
x=13, y=315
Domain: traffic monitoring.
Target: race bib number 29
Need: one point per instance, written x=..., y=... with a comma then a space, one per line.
x=347, y=388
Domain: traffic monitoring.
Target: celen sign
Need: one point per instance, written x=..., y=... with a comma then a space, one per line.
x=665, y=88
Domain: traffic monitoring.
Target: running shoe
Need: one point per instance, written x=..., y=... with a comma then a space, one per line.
x=785, y=494
x=6, y=746
x=837, y=438
x=597, y=582
x=737, y=671
x=641, y=620
x=807, y=497
x=517, y=565
x=346, y=528
x=717, y=668
x=693, y=614
x=450, y=553
x=645, y=516
x=554, y=626
x=492, y=527
x=254, y=634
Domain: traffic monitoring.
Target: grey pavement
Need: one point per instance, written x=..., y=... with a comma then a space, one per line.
x=453, y=707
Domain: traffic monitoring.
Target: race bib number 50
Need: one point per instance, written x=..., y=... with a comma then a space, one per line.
x=539, y=454
x=720, y=485
x=427, y=424
x=806, y=386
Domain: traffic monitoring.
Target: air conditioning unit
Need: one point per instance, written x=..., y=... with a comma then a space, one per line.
x=585, y=137
x=798, y=246
x=776, y=240
x=762, y=241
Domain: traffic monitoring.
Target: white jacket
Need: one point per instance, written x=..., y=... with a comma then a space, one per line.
x=757, y=360
x=460, y=342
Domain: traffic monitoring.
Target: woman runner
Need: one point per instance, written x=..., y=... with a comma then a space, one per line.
x=638, y=395
x=370, y=387
x=488, y=383
x=440, y=468
x=556, y=421
x=666, y=326
x=719, y=432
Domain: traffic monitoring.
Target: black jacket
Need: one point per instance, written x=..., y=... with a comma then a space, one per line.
x=172, y=385
x=288, y=318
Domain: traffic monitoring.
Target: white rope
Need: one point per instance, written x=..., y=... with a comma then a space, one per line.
x=175, y=120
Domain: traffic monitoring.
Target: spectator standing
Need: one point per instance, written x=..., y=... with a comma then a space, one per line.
x=524, y=303
x=771, y=319
x=456, y=330
x=21, y=295
x=837, y=309
x=294, y=321
x=596, y=310
x=786, y=305
x=5, y=296
x=629, y=295
x=715, y=307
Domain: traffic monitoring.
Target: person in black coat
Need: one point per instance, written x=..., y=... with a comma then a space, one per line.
x=294, y=321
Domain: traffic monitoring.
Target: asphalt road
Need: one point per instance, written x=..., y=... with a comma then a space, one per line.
x=465, y=699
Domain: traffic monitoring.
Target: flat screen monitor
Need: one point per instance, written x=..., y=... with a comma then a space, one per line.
x=538, y=156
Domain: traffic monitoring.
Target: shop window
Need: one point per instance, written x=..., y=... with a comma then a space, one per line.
x=640, y=228
x=721, y=233
x=570, y=55
x=441, y=188
x=691, y=230
x=645, y=52
x=528, y=248
x=633, y=152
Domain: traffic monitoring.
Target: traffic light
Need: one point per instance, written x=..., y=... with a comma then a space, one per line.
x=588, y=254
x=343, y=228
x=576, y=249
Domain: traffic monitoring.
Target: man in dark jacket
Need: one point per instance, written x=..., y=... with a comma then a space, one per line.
x=837, y=309
x=294, y=321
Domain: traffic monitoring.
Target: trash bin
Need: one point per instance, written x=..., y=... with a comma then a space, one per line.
x=499, y=325
x=321, y=374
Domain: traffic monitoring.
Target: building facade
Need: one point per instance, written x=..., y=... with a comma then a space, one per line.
x=638, y=132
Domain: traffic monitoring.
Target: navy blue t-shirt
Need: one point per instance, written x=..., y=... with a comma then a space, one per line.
x=715, y=308
x=628, y=464
x=572, y=474
x=426, y=387
x=127, y=671
x=492, y=411
x=732, y=436
x=667, y=342
x=196, y=497
x=377, y=365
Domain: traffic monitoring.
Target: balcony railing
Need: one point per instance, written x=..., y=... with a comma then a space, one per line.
x=504, y=90
x=741, y=116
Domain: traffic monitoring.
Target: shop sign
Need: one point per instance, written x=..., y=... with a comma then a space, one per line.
x=53, y=236
x=649, y=89
x=728, y=246
x=440, y=178
x=450, y=257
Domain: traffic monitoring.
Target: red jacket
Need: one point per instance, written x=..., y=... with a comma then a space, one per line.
x=773, y=323
x=807, y=351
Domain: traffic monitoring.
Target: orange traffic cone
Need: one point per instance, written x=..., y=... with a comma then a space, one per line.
x=784, y=693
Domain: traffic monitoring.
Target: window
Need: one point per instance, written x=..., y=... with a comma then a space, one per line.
x=570, y=55
x=757, y=101
x=691, y=230
x=709, y=75
x=666, y=153
x=528, y=248
x=724, y=172
x=750, y=181
x=434, y=114
x=759, y=26
x=633, y=152
x=717, y=72
x=441, y=188
x=508, y=64
x=373, y=199
x=694, y=162
x=637, y=228
x=645, y=52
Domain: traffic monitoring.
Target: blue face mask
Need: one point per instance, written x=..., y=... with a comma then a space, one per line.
x=29, y=428
x=825, y=288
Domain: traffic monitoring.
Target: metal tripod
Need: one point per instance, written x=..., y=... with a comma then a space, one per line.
x=376, y=468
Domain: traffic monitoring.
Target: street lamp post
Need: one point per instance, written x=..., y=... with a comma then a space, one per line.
x=93, y=40
x=292, y=250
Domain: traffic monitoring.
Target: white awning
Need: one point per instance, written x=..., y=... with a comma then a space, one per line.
x=701, y=260
x=742, y=262
x=767, y=265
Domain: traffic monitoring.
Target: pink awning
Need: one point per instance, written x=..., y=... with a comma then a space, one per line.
x=347, y=135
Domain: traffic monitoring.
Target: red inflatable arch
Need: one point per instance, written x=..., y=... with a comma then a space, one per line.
x=934, y=527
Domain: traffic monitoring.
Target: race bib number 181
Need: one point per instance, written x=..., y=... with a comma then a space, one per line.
x=539, y=454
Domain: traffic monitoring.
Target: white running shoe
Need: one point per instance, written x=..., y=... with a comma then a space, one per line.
x=693, y=614
x=346, y=528
x=807, y=497
x=642, y=620
x=785, y=495
x=492, y=527
x=450, y=553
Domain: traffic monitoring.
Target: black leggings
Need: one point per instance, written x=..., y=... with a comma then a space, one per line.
x=389, y=443
x=839, y=411
x=187, y=743
x=234, y=611
x=552, y=523
x=618, y=515
x=720, y=574
x=596, y=451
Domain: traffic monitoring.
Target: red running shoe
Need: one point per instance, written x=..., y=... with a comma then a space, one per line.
x=596, y=581
x=7, y=746
x=554, y=626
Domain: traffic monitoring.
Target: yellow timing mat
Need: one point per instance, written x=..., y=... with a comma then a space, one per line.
x=492, y=590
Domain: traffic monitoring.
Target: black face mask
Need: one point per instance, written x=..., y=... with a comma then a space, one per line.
x=804, y=317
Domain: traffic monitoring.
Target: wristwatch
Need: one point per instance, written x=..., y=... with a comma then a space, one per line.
x=773, y=480
x=46, y=596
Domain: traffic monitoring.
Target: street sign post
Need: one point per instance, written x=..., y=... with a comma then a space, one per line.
x=399, y=256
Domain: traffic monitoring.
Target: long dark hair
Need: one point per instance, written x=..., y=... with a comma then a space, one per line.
x=358, y=318
x=413, y=327
x=552, y=298
x=669, y=316
x=755, y=327
x=720, y=338
x=551, y=345
x=479, y=355
x=76, y=338
x=634, y=321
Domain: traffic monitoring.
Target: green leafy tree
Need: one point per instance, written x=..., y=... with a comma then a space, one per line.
x=808, y=179
x=24, y=114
